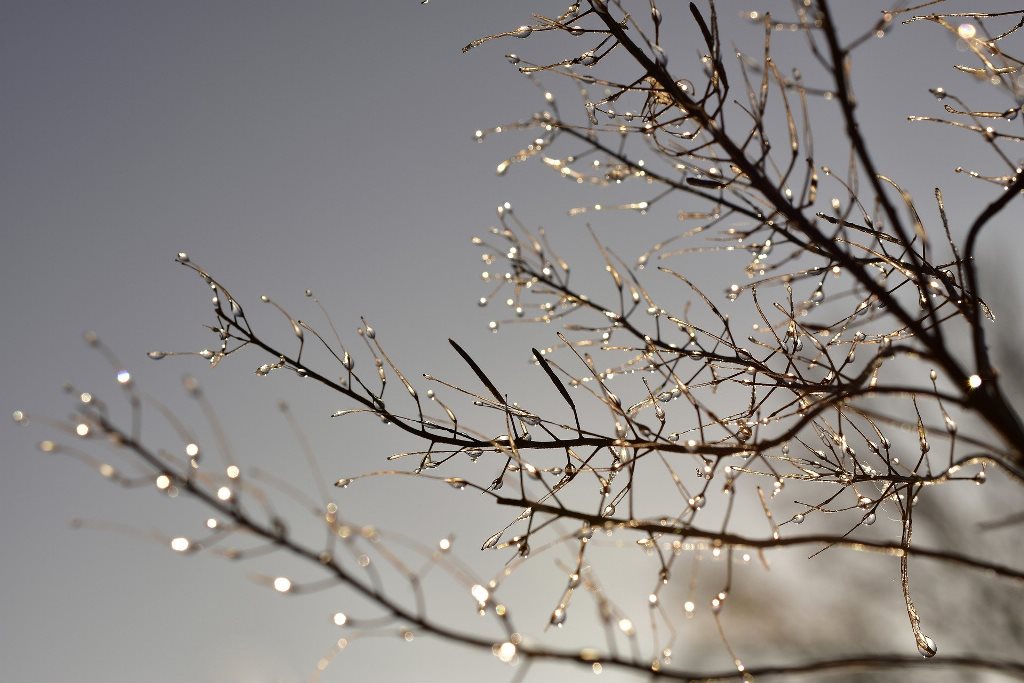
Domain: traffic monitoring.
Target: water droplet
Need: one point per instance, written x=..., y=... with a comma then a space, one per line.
x=491, y=542
x=608, y=511
x=456, y=483
x=157, y=355
x=659, y=56
x=480, y=593
x=927, y=647
x=343, y=483
x=183, y=257
x=966, y=31
x=522, y=31
x=506, y=652
x=558, y=617
x=950, y=425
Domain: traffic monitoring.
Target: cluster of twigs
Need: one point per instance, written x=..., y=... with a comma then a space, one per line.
x=808, y=375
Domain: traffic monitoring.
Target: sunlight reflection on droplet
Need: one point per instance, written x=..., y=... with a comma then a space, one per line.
x=480, y=593
x=966, y=31
x=282, y=584
x=506, y=652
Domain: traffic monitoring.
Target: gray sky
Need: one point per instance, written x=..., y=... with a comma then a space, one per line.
x=283, y=145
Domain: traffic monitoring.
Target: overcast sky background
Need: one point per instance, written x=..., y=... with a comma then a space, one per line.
x=283, y=146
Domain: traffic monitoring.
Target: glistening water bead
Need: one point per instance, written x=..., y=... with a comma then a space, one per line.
x=927, y=647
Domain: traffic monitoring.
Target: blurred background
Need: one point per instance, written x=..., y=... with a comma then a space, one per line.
x=330, y=146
